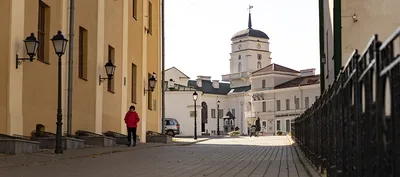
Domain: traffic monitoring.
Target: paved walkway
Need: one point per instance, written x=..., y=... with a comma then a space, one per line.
x=245, y=156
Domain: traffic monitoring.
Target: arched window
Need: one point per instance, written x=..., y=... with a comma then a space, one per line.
x=240, y=67
x=240, y=57
x=259, y=65
x=263, y=84
x=231, y=122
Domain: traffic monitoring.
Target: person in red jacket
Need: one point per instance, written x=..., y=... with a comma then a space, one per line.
x=131, y=120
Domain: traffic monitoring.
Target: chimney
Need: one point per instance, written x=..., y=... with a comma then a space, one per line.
x=171, y=83
x=307, y=72
x=215, y=84
x=199, y=82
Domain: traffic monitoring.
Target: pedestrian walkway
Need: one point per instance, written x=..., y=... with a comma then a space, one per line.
x=270, y=156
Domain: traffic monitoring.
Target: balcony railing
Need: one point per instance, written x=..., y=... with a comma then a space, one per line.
x=229, y=77
x=354, y=128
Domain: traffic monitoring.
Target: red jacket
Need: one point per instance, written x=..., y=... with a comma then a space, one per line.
x=131, y=119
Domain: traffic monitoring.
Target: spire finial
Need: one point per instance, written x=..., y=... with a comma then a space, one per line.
x=250, y=7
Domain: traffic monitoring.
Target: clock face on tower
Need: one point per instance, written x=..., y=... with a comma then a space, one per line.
x=240, y=46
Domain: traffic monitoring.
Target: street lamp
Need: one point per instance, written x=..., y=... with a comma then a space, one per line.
x=152, y=83
x=195, y=114
x=59, y=43
x=218, y=102
x=31, y=45
x=110, y=69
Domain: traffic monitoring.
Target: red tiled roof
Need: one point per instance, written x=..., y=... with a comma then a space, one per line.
x=275, y=67
x=300, y=81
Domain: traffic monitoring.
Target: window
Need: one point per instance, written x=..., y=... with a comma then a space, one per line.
x=233, y=112
x=149, y=94
x=134, y=9
x=221, y=113
x=240, y=67
x=134, y=83
x=259, y=56
x=263, y=84
x=169, y=122
x=278, y=105
x=213, y=113
x=297, y=101
x=287, y=104
x=111, y=56
x=278, y=125
x=43, y=32
x=306, y=102
x=287, y=125
x=150, y=18
x=240, y=57
x=83, y=52
x=264, y=106
x=259, y=65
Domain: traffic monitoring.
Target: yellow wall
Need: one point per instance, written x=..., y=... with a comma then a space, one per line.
x=374, y=17
x=5, y=12
x=94, y=107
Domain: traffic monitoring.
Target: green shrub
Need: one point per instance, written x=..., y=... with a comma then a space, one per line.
x=279, y=133
x=234, y=133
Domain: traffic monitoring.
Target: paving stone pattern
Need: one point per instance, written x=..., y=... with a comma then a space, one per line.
x=271, y=156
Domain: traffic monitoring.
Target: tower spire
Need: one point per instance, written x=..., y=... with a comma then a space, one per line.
x=249, y=23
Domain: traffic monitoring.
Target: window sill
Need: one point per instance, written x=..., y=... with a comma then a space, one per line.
x=82, y=78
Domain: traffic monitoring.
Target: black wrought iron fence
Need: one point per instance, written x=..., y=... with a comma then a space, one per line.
x=353, y=129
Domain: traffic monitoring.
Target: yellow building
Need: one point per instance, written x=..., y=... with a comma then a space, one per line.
x=128, y=32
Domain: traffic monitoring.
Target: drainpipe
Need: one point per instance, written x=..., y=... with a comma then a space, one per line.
x=337, y=36
x=321, y=45
x=163, y=68
x=70, y=65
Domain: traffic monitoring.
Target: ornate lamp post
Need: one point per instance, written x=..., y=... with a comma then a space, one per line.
x=31, y=46
x=152, y=83
x=59, y=43
x=110, y=69
x=218, y=102
x=195, y=114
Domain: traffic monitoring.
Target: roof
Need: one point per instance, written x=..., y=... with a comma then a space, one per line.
x=207, y=87
x=300, y=81
x=229, y=115
x=241, y=89
x=250, y=32
x=275, y=67
x=178, y=71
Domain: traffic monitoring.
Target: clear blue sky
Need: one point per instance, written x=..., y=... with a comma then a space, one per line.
x=198, y=33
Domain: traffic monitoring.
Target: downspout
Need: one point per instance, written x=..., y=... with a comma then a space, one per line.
x=321, y=46
x=163, y=68
x=70, y=65
x=337, y=36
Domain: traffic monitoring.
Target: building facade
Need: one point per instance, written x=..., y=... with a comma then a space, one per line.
x=124, y=32
x=351, y=24
x=254, y=88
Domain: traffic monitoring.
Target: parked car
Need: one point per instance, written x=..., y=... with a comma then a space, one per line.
x=172, y=127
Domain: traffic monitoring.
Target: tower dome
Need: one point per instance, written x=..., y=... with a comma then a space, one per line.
x=250, y=32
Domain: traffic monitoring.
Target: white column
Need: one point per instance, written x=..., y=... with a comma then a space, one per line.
x=124, y=66
x=14, y=112
x=100, y=66
x=144, y=73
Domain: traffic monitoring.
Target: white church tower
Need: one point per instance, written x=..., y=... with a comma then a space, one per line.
x=250, y=51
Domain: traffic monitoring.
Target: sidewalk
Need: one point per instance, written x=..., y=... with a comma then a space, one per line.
x=48, y=156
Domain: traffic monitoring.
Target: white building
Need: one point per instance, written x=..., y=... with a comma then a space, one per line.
x=253, y=88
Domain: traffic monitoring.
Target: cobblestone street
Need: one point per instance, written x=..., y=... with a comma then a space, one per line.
x=245, y=156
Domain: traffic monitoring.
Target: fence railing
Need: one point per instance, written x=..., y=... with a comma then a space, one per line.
x=353, y=129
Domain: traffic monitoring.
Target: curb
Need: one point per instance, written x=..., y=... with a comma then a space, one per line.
x=101, y=153
x=80, y=156
x=311, y=171
x=189, y=143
